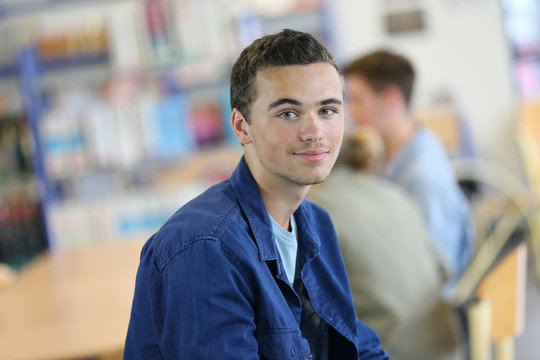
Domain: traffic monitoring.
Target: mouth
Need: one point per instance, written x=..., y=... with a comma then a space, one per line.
x=312, y=155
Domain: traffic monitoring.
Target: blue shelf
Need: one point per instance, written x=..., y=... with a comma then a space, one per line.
x=58, y=64
x=28, y=69
x=74, y=61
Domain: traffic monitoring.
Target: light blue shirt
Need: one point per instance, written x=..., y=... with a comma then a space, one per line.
x=287, y=245
x=423, y=169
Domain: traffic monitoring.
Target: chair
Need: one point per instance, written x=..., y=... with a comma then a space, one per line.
x=492, y=289
x=528, y=141
x=497, y=314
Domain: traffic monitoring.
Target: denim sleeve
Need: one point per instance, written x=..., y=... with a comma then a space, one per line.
x=369, y=344
x=198, y=306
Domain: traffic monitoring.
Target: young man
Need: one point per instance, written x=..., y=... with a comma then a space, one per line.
x=380, y=86
x=249, y=270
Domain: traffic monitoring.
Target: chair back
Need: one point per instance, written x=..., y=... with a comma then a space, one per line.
x=497, y=315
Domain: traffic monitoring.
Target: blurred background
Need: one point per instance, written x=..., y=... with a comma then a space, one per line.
x=115, y=113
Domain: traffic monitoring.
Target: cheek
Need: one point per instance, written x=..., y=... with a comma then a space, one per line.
x=359, y=112
x=335, y=132
x=282, y=135
x=271, y=140
x=354, y=109
x=368, y=115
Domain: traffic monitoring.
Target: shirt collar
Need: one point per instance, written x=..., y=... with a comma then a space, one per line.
x=250, y=200
x=309, y=241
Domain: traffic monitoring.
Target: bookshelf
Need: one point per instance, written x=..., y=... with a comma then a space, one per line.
x=21, y=222
x=127, y=106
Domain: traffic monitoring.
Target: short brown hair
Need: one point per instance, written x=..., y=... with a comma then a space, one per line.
x=383, y=68
x=288, y=47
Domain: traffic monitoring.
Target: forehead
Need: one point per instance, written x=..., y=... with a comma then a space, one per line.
x=306, y=83
x=357, y=82
x=358, y=88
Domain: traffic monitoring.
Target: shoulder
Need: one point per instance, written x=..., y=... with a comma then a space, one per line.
x=430, y=154
x=314, y=213
x=428, y=168
x=205, y=218
x=345, y=192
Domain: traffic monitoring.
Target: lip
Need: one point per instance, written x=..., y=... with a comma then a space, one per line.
x=313, y=155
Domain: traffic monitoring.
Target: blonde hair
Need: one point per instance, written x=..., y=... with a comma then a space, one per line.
x=363, y=149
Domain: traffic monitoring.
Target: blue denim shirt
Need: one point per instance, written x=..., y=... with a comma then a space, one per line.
x=211, y=285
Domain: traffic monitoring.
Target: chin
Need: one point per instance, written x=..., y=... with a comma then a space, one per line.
x=319, y=181
x=312, y=180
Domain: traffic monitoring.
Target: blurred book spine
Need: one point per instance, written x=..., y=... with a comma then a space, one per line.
x=21, y=228
x=157, y=24
x=21, y=233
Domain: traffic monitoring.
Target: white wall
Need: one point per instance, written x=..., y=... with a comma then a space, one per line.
x=463, y=49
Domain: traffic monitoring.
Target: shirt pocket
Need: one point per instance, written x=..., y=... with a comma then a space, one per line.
x=282, y=344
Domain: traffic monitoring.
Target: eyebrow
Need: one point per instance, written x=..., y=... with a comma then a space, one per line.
x=281, y=102
x=333, y=101
x=298, y=103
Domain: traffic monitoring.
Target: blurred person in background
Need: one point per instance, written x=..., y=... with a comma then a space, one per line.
x=248, y=269
x=395, y=271
x=380, y=87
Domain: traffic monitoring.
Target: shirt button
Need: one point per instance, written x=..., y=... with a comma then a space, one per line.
x=292, y=351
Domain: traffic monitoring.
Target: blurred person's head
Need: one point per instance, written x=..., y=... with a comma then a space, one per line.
x=362, y=150
x=378, y=79
x=380, y=86
x=287, y=100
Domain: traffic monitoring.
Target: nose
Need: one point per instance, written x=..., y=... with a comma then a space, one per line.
x=310, y=128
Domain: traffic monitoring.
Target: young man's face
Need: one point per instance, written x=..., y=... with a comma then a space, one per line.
x=296, y=124
x=365, y=105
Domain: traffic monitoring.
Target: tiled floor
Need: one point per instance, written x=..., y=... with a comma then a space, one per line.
x=528, y=344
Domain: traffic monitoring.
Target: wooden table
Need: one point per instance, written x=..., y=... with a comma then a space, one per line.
x=70, y=305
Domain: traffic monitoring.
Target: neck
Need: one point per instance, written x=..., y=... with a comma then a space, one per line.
x=402, y=132
x=280, y=203
x=281, y=198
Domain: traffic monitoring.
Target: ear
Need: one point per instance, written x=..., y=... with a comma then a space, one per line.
x=240, y=126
